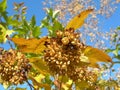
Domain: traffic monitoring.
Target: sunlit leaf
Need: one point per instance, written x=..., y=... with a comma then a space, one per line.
x=95, y=55
x=67, y=85
x=4, y=32
x=40, y=65
x=32, y=45
x=6, y=85
x=55, y=14
x=77, y=21
x=39, y=78
x=38, y=85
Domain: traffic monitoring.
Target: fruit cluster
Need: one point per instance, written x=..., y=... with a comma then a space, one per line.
x=63, y=51
x=83, y=74
x=63, y=54
x=14, y=67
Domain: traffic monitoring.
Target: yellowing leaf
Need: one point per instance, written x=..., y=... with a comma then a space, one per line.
x=77, y=21
x=32, y=45
x=82, y=85
x=40, y=65
x=39, y=78
x=38, y=85
x=3, y=33
x=67, y=85
x=95, y=55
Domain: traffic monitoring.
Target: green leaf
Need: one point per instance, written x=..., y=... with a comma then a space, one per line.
x=57, y=25
x=55, y=14
x=3, y=5
x=49, y=12
x=45, y=21
x=48, y=80
x=33, y=21
x=118, y=57
x=20, y=31
x=4, y=14
x=36, y=32
x=25, y=25
x=108, y=50
x=13, y=22
x=118, y=28
x=115, y=52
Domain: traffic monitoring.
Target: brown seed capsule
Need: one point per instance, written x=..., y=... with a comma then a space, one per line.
x=59, y=34
x=65, y=40
x=12, y=63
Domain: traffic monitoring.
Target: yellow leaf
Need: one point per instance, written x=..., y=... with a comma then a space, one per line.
x=4, y=32
x=39, y=78
x=32, y=45
x=82, y=85
x=38, y=85
x=67, y=85
x=40, y=65
x=95, y=55
x=77, y=21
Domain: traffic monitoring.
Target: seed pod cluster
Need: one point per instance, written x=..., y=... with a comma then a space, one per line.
x=63, y=51
x=14, y=67
x=83, y=74
x=63, y=56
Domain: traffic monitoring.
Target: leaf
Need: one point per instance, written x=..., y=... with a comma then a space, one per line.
x=48, y=79
x=32, y=45
x=39, y=78
x=3, y=5
x=36, y=32
x=4, y=32
x=109, y=50
x=49, y=12
x=13, y=22
x=40, y=65
x=95, y=55
x=39, y=85
x=77, y=21
x=55, y=14
x=67, y=85
x=118, y=28
x=118, y=57
x=33, y=21
x=82, y=85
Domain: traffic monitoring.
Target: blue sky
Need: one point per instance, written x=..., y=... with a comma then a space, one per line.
x=35, y=7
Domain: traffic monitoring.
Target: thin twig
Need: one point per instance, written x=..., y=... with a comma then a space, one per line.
x=31, y=86
x=10, y=44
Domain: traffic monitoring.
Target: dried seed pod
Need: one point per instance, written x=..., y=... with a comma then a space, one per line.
x=65, y=40
x=12, y=66
x=66, y=57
